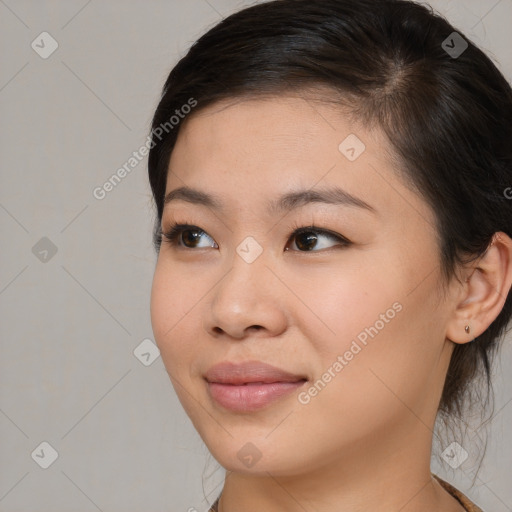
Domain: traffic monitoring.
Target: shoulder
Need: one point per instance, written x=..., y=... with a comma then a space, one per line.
x=459, y=496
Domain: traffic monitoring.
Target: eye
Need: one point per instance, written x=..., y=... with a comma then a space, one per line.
x=184, y=235
x=308, y=238
x=305, y=238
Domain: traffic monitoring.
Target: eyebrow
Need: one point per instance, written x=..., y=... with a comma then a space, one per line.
x=286, y=202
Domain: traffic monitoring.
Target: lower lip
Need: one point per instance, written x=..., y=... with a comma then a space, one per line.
x=250, y=397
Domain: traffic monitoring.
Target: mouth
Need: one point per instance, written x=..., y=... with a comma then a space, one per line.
x=251, y=385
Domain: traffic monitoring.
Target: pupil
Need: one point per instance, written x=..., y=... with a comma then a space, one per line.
x=309, y=239
x=190, y=236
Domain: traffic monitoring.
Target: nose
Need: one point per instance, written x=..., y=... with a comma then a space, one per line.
x=248, y=300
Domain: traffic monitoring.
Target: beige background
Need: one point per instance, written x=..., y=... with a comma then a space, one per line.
x=70, y=324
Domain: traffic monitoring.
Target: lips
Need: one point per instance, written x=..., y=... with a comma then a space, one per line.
x=249, y=386
x=249, y=372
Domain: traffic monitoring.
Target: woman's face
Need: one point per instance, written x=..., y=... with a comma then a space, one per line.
x=358, y=321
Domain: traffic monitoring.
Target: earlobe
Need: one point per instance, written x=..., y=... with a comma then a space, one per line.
x=484, y=291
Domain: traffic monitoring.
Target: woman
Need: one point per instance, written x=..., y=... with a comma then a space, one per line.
x=334, y=254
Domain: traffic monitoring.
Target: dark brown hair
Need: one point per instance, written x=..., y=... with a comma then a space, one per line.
x=448, y=118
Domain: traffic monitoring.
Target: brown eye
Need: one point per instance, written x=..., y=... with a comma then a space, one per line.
x=191, y=237
x=310, y=238
x=186, y=236
x=306, y=240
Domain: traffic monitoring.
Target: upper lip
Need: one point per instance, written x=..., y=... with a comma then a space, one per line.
x=249, y=371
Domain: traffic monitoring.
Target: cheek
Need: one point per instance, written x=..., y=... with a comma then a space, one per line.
x=374, y=321
x=173, y=298
x=344, y=299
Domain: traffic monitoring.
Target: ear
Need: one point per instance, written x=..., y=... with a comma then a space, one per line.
x=484, y=292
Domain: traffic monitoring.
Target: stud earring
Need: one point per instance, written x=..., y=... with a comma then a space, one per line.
x=467, y=329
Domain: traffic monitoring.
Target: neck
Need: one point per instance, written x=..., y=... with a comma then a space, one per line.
x=370, y=475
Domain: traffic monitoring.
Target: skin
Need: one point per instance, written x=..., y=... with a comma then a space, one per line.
x=364, y=441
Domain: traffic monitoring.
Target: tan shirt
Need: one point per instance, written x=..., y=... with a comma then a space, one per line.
x=461, y=498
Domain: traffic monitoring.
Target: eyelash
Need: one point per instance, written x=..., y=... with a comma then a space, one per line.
x=171, y=235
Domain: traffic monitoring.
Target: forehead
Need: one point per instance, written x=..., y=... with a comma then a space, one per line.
x=255, y=150
x=268, y=139
x=288, y=123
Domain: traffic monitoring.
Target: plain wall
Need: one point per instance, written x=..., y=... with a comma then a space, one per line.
x=72, y=320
